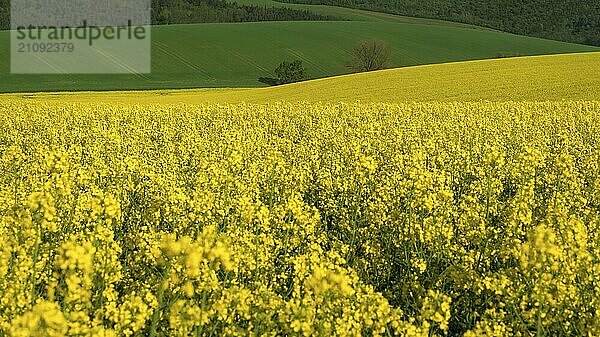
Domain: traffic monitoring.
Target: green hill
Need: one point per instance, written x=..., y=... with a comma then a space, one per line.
x=237, y=55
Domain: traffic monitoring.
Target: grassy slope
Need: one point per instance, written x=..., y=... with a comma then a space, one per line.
x=539, y=78
x=236, y=55
x=565, y=20
x=357, y=14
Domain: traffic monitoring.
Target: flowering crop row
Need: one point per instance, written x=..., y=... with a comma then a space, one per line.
x=300, y=219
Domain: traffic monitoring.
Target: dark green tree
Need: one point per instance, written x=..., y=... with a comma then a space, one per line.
x=290, y=72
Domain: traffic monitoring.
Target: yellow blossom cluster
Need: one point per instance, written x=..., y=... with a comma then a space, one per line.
x=300, y=219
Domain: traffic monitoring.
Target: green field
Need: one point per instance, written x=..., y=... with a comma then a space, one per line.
x=237, y=55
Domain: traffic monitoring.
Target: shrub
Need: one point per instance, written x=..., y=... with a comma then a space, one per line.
x=290, y=72
x=370, y=55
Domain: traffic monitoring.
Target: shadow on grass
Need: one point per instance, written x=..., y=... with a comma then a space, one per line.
x=268, y=80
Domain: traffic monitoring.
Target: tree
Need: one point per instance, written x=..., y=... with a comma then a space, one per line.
x=370, y=55
x=289, y=72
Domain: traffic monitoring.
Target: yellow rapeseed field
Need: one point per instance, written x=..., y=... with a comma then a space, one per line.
x=534, y=78
x=309, y=219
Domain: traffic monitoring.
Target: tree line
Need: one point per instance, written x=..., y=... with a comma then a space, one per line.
x=198, y=11
x=566, y=20
x=4, y=14
x=205, y=11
